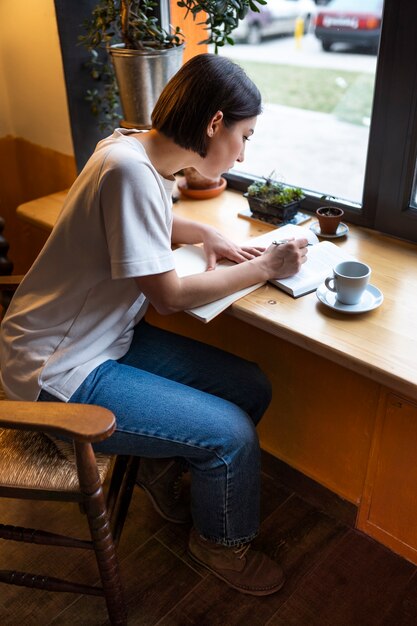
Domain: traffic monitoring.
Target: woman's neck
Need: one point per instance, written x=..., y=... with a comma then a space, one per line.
x=164, y=154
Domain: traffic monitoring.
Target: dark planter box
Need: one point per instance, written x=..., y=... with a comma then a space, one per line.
x=282, y=212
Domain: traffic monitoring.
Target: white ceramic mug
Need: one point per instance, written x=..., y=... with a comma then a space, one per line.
x=349, y=281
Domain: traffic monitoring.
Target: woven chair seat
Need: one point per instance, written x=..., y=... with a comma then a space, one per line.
x=27, y=458
x=31, y=460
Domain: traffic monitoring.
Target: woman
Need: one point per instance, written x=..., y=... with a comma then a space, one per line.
x=75, y=330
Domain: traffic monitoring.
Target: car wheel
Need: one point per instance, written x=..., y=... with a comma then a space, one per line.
x=254, y=35
x=326, y=45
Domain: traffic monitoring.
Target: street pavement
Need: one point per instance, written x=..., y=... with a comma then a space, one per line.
x=308, y=53
x=313, y=150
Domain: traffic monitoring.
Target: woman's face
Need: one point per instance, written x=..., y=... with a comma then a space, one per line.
x=226, y=145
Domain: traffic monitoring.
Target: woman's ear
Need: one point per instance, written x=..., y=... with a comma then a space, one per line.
x=215, y=123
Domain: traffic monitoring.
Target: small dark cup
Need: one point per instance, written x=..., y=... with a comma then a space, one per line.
x=329, y=218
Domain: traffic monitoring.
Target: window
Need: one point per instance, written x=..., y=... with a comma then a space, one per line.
x=337, y=123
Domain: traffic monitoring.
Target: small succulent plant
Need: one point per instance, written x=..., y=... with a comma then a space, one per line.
x=273, y=192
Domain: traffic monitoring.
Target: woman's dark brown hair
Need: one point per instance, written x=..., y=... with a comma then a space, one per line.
x=207, y=83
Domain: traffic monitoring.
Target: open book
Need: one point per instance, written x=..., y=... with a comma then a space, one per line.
x=322, y=257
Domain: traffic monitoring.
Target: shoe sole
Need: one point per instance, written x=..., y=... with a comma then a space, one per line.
x=159, y=510
x=250, y=592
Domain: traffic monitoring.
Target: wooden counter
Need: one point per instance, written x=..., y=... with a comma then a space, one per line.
x=345, y=386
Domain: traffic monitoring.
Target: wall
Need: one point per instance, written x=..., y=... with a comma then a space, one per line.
x=33, y=76
x=5, y=122
x=193, y=32
x=36, y=152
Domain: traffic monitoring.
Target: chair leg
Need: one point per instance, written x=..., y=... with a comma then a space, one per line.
x=120, y=492
x=101, y=536
x=116, y=481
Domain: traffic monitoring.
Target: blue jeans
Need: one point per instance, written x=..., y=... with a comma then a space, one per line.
x=176, y=397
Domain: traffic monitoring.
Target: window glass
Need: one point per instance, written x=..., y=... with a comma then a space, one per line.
x=413, y=201
x=315, y=66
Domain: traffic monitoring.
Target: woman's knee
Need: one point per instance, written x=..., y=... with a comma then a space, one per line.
x=238, y=441
x=259, y=394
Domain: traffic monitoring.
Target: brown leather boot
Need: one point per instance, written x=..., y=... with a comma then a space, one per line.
x=161, y=479
x=240, y=567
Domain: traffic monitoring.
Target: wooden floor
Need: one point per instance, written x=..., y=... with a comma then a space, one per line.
x=335, y=575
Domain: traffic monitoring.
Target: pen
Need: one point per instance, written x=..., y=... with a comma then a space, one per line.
x=281, y=241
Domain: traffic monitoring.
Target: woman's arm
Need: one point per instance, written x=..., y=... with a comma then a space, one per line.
x=169, y=293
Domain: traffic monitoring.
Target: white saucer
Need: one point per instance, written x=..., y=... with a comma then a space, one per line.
x=341, y=231
x=371, y=299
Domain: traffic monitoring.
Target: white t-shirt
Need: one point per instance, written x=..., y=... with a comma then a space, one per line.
x=79, y=303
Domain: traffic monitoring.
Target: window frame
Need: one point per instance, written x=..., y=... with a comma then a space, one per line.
x=392, y=148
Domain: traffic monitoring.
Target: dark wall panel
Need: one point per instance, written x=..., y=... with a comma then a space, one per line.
x=84, y=126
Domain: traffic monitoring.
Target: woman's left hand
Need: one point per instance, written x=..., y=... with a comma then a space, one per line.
x=217, y=247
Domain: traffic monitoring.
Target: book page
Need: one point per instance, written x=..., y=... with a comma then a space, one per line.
x=289, y=231
x=189, y=260
x=206, y=312
x=321, y=259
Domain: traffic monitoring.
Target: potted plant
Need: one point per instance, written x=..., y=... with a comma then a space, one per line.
x=271, y=198
x=145, y=55
x=329, y=217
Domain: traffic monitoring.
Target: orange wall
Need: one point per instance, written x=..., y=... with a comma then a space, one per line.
x=194, y=33
x=33, y=102
x=36, y=151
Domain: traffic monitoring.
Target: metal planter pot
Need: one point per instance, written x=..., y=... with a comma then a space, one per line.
x=141, y=76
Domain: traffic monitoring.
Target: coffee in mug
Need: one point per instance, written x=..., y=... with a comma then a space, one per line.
x=349, y=281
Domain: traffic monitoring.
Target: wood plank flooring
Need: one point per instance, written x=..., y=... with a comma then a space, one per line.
x=336, y=576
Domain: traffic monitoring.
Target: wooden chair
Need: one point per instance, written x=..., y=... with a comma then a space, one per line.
x=35, y=466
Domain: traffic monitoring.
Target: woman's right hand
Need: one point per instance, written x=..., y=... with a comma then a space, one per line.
x=285, y=259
